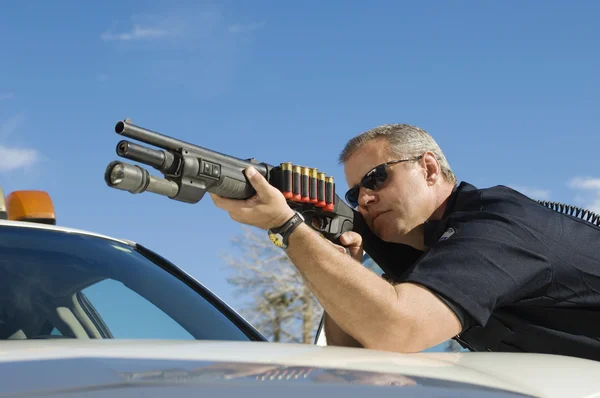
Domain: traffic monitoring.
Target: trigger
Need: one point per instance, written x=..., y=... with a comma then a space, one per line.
x=318, y=223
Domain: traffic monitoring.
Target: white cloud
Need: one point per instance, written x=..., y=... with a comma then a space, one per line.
x=533, y=193
x=12, y=159
x=8, y=127
x=193, y=46
x=242, y=28
x=588, y=183
x=6, y=96
x=173, y=23
x=202, y=24
x=139, y=33
x=589, y=198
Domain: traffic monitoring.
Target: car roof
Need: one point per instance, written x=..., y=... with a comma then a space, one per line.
x=47, y=227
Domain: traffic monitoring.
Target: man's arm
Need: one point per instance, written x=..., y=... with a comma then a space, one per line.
x=405, y=317
x=335, y=335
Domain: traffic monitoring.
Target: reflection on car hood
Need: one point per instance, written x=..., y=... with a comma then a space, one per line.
x=167, y=368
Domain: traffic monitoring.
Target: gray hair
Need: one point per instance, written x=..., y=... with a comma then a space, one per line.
x=404, y=140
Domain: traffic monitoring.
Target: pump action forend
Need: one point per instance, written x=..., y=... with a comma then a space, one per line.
x=189, y=171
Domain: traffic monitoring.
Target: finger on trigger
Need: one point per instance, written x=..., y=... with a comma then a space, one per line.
x=344, y=238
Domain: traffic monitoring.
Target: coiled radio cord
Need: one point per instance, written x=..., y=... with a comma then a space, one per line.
x=571, y=210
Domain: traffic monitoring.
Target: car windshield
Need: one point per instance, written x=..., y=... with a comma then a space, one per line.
x=56, y=284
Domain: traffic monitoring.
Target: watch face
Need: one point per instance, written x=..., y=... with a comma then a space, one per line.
x=277, y=239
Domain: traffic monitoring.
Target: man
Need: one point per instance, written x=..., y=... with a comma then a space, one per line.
x=489, y=267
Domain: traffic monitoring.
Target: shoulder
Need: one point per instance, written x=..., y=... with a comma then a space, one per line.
x=508, y=213
x=481, y=255
x=479, y=212
x=498, y=199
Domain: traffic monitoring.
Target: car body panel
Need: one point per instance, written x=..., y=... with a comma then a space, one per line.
x=93, y=364
x=530, y=374
x=48, y=227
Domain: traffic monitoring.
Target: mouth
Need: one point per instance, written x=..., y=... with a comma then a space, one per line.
x=376, y=216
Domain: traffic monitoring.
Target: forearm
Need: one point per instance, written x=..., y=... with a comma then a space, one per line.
x=361, y=302
x=335, y=335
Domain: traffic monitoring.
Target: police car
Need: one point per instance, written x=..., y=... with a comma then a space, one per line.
x=83, y=314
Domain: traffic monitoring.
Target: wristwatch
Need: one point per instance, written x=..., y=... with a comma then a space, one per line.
x=280, y=235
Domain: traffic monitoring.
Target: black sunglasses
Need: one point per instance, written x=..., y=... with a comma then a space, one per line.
x=373, y=180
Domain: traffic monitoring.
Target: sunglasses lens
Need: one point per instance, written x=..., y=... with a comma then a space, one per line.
x=352, y=197
x=373, y=180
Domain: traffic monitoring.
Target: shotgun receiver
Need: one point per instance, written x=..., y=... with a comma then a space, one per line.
x=189, y=171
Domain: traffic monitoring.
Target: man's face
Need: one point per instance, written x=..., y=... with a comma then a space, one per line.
x=397, y=210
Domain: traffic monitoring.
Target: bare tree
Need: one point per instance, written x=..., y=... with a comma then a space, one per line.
x=280, y=304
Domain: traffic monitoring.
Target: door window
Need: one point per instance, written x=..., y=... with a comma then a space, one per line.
x=130, y=316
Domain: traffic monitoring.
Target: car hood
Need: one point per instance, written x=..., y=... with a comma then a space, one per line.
x=180, y=368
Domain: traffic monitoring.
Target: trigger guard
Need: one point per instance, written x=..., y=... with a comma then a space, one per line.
x=318, y=223
x=322, y=224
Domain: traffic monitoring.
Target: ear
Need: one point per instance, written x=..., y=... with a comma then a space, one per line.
x=431, y=167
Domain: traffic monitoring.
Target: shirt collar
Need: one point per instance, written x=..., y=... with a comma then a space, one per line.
x=433, y=229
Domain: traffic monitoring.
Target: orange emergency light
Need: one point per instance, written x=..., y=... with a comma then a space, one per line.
x=31, y=206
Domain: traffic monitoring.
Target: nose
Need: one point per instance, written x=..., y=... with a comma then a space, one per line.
x=366, y=197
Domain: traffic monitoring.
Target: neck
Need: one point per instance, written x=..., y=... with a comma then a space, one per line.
x=443, y=197
x=417, y=240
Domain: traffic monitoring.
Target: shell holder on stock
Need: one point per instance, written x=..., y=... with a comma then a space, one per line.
x=312, y=193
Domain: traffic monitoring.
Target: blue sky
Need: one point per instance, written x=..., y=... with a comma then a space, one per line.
x=510, y=90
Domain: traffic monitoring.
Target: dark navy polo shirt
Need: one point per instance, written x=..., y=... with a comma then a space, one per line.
x=518, y=275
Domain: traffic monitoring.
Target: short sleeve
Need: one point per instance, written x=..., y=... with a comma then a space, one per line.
x=483, y=261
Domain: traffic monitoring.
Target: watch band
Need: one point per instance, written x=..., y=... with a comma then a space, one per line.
x=280, y=236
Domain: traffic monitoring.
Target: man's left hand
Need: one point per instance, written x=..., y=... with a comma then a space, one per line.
x=267, y=209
